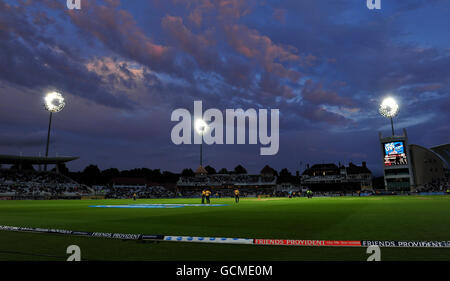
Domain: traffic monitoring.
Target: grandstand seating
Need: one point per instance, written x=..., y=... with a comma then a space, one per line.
x=21, y=183
x=227, y=180
x=140, y=191
x=436, y=186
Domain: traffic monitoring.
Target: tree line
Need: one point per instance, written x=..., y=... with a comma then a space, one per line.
x=92, y=175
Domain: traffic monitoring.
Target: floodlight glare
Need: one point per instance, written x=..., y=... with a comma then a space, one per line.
x=389, y=108
x=201, y=126
x=54, y=102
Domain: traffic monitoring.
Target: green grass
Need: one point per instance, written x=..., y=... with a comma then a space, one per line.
x=342, y=218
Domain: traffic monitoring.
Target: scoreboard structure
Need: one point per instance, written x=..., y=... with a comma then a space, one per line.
x=410, y=167
x=397, y=164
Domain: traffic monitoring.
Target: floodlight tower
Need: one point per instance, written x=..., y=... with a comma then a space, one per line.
x=201, y=127
x=389, y=109
x=53, y=102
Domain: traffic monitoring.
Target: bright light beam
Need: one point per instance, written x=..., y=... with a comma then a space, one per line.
x=200, y=126
x=54, y=102
x=389, y=107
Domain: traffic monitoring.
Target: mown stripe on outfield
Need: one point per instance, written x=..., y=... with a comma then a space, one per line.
x=238, y=241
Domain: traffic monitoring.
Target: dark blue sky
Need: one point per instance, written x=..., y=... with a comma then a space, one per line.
x=124, y=66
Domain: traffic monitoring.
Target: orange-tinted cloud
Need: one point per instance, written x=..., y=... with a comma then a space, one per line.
x=118, y=30
x=185, y=39
x=261, y=48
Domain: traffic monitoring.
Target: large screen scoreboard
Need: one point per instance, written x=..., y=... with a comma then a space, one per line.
x=395, y=153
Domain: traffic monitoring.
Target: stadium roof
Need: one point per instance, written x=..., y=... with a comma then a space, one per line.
x=34, y=160
x=267, y=170
x=443, y=150
x=323, y=167
x=200, y=170
x=355, y=169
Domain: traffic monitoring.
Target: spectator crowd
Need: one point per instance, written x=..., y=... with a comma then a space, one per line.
x=29, y=184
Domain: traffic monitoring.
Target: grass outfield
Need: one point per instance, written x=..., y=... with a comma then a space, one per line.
x=340, y=218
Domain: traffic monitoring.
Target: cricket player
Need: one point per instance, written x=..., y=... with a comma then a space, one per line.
x=236, y=195
x=207, y=195
x=203, y=196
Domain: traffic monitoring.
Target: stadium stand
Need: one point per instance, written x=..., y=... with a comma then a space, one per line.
x=141, y=191
x=331, y=177
x=223, y=184
x=440, y=185
x=28, y=184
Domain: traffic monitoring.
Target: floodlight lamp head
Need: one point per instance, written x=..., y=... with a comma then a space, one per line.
x=54, y=102
x=389, y=108
x=201, y=126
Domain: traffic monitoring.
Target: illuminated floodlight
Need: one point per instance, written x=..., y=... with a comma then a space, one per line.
x=54, y=102
x=201, y=126
x=389, y=108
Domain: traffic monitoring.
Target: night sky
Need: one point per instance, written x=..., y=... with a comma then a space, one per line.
x=124, y=66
